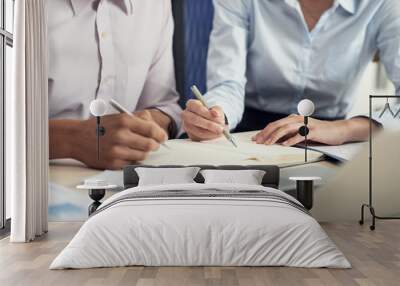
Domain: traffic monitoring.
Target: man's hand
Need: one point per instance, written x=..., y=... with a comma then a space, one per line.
x=126, y=140
x=201, y=123
x=285, y=131
x=157, y=116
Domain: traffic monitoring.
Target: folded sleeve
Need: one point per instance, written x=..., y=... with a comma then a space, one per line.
x=159, y=91
x=227, y=57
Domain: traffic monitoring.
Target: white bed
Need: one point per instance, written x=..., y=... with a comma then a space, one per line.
x=201, y=225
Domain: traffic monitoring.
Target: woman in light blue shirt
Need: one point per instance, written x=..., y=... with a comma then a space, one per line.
x=267, y=55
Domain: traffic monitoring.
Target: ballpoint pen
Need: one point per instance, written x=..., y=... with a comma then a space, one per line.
x=122, y=109
x=200, y=97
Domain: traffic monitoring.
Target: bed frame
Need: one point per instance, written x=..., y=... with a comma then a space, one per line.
x=271, y=177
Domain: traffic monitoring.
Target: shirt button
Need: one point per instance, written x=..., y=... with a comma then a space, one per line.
x=104, y=35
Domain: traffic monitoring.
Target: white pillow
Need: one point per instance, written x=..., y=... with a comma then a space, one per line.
x=243, y=177
x=166, y=176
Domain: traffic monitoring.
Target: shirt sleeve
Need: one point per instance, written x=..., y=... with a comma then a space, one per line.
x=388, y=40
x=227, y=58
x=159, y=90
x=388, y=44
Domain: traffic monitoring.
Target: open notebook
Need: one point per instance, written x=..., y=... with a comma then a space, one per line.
x=221, y=152
x=342, y=153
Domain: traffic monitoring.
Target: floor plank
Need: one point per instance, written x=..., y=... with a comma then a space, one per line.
x=375, y=257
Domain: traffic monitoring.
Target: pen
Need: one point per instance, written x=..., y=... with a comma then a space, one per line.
x=122, y=109
x=200, y=97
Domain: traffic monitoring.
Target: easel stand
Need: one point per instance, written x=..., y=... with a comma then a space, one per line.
x=370, y=205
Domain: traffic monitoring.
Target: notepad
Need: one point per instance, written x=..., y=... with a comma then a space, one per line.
x=220, y=152
x=341, y=153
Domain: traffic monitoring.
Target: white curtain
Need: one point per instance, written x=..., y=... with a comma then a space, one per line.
x=27, y=123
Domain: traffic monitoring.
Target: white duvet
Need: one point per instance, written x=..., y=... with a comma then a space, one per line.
x=200, y=231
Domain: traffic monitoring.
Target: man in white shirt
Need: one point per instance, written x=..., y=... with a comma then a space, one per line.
x=120, y=49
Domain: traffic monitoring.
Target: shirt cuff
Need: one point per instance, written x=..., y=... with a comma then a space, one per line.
x=231, y=115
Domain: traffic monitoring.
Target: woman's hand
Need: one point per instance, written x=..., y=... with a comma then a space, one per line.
x=201, y=123
x=286, y=131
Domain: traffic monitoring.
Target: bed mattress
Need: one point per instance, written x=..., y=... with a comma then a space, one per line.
x=201, y=225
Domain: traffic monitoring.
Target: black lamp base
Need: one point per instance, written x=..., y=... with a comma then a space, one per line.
x=95, y=195
x=305, y=193
x=305, y=190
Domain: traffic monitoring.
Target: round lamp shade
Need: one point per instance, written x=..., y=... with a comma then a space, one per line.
x=98, y=107
x=306, y=107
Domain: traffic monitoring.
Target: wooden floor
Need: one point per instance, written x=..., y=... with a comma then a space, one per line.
x=375, y=257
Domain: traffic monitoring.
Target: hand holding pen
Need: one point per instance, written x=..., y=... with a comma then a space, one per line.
x=145, y=115
x=127, y=140
x=203, y=122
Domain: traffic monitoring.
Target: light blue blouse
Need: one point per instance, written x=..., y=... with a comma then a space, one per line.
x=262, y=54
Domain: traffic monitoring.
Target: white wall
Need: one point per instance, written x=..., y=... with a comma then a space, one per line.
x=374, y=82
x=340, y=199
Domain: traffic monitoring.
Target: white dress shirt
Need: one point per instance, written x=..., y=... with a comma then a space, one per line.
x=263, y=55
x=120, y=49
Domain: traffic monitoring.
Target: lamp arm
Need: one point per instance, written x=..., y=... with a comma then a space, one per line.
x=304, y=131
x=100, y=131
